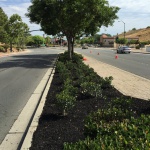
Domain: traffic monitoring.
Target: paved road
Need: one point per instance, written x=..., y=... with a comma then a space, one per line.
x=136, y=63
x=19, y=76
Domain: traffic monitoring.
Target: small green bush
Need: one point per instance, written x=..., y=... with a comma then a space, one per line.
x=92, y=89
x=6, y=46
x=68, y=86
x=106, y=83
x=116, y=111
x=24, y=47
x=63, y=57
x=18, y=48
x=137, y=47
x=67, y=97
x=2, y=49
x=62, y=70
x=131, y=134
x=77, y=58
x=69, y=65
x=65, y=101
x=123, y=104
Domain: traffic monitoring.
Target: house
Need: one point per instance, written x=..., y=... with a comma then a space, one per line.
x=106, y=41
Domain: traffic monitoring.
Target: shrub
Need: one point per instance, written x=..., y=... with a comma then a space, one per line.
x=62, y=70
x=67, y=97
x=123, y=104
x=6, y=46
x=64, y=57
x=129, y=134
x=92, y=89
x=23, y=47
x=70, y=65
x=137, y=47
x=116, y=111
x=65, y=101
x=97, y=122
x=70, y=88
x=2, y=49
x=114, y=128
x=18, y=48
x=79, y=74
x=106, y=83
x=77, y=58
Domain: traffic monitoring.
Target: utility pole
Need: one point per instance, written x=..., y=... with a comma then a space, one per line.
x=124, y=27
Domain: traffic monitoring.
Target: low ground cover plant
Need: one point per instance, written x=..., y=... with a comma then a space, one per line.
x=77, y=78
x=113, y=127
x=83, y=111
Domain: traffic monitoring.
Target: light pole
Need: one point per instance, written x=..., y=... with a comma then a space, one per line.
x=124, y=27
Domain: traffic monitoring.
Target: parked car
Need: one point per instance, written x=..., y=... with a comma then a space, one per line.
x=124, y=49
x=89, y=45
x=84, y=47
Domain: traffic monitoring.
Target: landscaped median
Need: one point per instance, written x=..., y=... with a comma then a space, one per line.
x=84, y=111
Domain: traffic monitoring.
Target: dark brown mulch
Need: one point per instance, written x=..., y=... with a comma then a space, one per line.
x=53, y=129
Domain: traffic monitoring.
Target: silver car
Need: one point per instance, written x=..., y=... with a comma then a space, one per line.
x=124, y=49
x=84, y=47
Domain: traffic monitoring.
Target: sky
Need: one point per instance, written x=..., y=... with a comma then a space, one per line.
x=132, y=14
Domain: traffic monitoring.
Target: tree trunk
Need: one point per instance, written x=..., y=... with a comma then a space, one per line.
x=10, y=46
x=70, y=46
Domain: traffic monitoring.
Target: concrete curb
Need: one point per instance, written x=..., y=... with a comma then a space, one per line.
x=28, y=139
x=17, y=133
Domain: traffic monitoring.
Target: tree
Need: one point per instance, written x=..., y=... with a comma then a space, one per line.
x=96, y=38
x=30, y=41
x=38, y=40
x=3, y=20
x=121, y=41
x=72, y=18
x=14, y=28
x=133, y=29
x=47, y=40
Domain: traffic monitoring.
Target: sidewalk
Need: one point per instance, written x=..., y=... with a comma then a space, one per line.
x=13, y=53
x=126, y=82
x=142, y=50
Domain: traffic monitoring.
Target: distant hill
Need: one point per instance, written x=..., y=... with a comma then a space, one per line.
x=142, y=34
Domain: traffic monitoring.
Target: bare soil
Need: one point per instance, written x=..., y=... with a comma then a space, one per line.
x=143, y=34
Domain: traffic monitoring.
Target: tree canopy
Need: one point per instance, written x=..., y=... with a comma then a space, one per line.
x=72, y=18
x=3, y=21
x=38, y=39
x=15, y=28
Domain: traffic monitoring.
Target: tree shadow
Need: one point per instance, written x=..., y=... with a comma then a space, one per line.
x=30, y=61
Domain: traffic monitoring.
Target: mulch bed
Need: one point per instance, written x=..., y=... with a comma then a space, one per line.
x=54, y=129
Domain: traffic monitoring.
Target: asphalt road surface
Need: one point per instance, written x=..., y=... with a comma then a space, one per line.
x=19, y=76
x=136, y=63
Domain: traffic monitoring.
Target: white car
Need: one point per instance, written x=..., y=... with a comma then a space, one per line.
x=124, y=49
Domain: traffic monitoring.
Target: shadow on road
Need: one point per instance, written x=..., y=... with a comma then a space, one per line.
x=29, y=61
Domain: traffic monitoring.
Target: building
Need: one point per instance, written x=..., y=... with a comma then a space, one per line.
x=107, y=41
